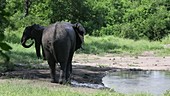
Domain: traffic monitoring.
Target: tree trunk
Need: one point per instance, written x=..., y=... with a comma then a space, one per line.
x=27, y=5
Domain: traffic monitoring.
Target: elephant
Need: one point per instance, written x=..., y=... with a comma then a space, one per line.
x=33, y=32
x=60, y=40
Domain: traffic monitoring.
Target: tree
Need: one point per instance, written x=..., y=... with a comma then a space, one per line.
x=27, y=6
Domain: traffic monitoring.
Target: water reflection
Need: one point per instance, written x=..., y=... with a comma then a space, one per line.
x=154, y=82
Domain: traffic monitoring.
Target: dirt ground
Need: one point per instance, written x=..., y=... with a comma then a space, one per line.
x=88, y=68
x=145, y=61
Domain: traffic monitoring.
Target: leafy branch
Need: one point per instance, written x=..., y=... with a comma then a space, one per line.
x=4, y=47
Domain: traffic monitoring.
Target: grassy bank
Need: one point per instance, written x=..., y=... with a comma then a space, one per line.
x=115, y=45
x=40, y=88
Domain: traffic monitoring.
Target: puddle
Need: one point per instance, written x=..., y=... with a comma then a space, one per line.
x=153, y=82
x=88, y=85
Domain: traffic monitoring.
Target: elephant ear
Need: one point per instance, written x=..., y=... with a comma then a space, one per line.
x=80, y=32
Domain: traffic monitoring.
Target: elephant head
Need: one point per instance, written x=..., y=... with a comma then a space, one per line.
x=80, y=32
x=33, y=32
x=27, y=35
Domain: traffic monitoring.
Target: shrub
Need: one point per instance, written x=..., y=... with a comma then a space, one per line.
x=4, y=22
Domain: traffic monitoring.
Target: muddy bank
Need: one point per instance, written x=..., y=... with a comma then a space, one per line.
x=81, y=74
x=91, y=68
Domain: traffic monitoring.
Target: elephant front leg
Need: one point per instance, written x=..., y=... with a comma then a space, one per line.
x=37, y=47
x=44, y=58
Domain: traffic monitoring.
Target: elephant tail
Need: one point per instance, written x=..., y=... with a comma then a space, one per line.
x=54, y=55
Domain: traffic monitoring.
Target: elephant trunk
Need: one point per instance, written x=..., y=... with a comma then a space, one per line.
x=23, y=42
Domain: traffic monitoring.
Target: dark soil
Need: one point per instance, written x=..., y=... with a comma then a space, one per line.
x=81, y=73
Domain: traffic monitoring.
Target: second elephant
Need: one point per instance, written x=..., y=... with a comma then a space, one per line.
x=60, y=41
x=34, y=32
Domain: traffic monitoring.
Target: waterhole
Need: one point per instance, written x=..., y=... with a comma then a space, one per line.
x=130, y=81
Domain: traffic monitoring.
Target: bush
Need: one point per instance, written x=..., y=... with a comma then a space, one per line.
x=4, y=22
x=157, y=25
x=134, y=19
x=137, y=19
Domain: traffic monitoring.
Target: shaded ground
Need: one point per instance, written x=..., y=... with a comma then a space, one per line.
x=91, y=68
x=81, y=73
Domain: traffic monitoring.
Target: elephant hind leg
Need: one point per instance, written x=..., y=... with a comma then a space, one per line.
x=61, y=53
x=69, y=67
x=52, y=64
x=52, y=71
x=63, y=71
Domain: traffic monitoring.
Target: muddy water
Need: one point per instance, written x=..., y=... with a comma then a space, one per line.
x=88, y=85
x=154, y=82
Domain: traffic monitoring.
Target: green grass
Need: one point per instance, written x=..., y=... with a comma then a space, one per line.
x=39, y=88
x=20, y=54
x=27, y=89
x=115, y=45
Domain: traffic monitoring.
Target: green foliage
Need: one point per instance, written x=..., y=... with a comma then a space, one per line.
x=3, y=16
x=134, y=19
x=4, y=58
x=167, y=93
x=137, y=19
x=39, y=12
x=72, y=11
x=4, y=22
x=13, y=37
